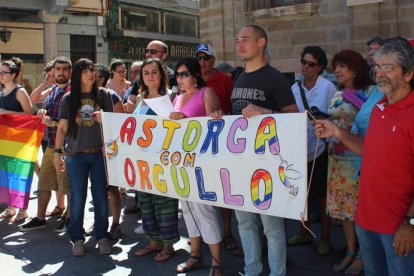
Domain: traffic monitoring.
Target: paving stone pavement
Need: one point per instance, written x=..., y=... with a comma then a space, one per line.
x=44, y=252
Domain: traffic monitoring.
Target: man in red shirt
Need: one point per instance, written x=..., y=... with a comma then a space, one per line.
x=385, y=213
x=221, y=83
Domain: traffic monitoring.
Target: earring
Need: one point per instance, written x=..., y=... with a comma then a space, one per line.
x=195, y=83
x=354, y=75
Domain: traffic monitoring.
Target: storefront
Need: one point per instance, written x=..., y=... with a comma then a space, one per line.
x=131, y=27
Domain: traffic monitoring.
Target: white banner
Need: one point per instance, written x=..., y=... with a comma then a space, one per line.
x=257, y=165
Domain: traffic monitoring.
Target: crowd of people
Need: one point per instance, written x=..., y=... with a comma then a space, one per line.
x=360, y=150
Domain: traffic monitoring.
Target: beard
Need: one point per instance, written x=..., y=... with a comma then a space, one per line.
x=61, y=80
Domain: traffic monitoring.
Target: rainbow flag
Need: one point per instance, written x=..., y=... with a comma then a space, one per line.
x=20, y=138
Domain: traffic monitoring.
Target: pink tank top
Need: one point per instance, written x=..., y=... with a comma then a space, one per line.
x=194, y=107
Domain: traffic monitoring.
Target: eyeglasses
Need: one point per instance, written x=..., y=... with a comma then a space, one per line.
x=310, y=63
x=183, y=74
x=385, y=68
x=5, y=72
x=152, y=51
x=206, y=57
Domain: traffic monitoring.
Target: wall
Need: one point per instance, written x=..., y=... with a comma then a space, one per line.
x=330, y=24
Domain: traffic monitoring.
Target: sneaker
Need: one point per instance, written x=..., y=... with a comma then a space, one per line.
x=115, y=232
x=78, y=249
x=34, y=224
x=139, y=230
x=61, y=228
x=104, y=247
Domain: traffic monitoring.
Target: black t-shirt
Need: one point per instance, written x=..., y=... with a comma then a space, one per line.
x=265, y=87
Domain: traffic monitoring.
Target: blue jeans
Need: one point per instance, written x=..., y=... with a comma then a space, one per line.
x=79, y=166
x=379, y=257
x=250, y=237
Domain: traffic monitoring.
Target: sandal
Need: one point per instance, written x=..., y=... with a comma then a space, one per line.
x=163, y=256
x=21, y=216
x=355, y=269
x=146, y=251
x=183, y=268
x=7, y=213
x=341, y=266
x=57, y=211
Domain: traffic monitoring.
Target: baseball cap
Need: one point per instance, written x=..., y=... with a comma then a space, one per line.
x=204, y=48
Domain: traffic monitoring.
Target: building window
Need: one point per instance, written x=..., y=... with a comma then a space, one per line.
x=253, y=5
x=177, y=24
x=139, y=19
x=82, y=46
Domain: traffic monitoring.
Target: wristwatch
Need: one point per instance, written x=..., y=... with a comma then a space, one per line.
x=410, y=220
x=59, y=151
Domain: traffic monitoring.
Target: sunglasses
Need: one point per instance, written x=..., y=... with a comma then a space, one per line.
x=310, y=63
x=183, y=74
x=152, y=51
x=5, y=72
x=206, y=57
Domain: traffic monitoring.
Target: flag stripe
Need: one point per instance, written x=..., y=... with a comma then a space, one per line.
x=15, y=182
x=22, y=121
x=14, y=198
x=21, y=135
x=16, y=166
x=18, y=150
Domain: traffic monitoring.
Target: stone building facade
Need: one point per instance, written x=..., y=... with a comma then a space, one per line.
x=292, y=24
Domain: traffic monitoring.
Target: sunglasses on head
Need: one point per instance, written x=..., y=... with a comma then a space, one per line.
x=183, y=74
x=206, y=57
x=152, y=51
x=310, y=63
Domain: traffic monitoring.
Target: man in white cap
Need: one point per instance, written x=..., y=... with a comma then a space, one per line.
x=215, y=79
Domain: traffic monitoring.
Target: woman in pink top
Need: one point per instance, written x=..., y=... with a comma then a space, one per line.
x=197, y=100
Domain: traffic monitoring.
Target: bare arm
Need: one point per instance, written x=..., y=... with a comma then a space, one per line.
x=327, y=129
x=211, y=101
x=131, y=103
x=40, y=93
x=62, y=131
x=404, y=237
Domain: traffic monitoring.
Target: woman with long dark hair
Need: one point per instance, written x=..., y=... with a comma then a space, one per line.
x=197, y=100
x=79, y=126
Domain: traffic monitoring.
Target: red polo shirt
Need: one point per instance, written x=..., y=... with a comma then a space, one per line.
x=223, y=85
x=387, y=172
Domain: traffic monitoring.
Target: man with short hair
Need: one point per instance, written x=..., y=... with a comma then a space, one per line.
x=49, y=178
x=314, y=91
x=270, y=93
x=385, y=211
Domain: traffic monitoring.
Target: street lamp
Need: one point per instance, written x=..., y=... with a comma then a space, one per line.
x=5, y=35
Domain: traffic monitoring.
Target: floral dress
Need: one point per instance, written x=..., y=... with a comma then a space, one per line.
x=343, y=179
